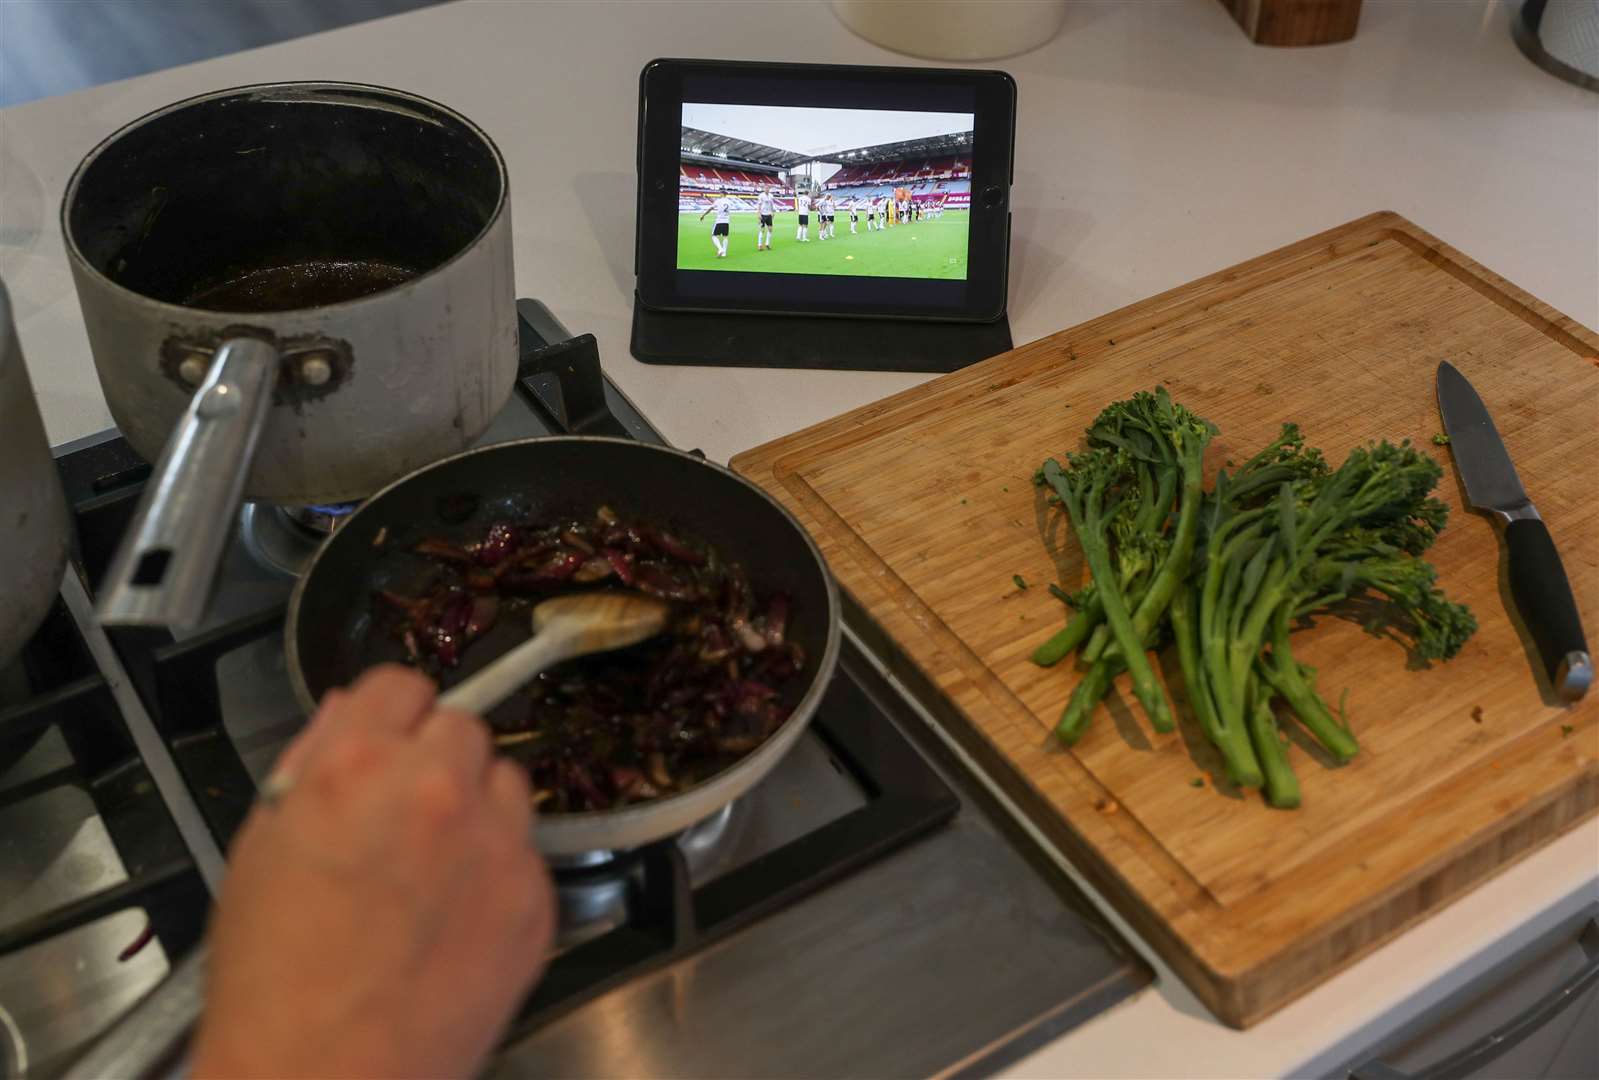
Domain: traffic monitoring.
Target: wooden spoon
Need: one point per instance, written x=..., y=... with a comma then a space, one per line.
x=563, y=628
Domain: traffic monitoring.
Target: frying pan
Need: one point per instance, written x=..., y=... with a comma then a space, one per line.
x=330, y=632
x=330, y=635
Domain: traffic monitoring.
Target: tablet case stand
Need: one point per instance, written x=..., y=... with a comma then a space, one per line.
x=823, y=342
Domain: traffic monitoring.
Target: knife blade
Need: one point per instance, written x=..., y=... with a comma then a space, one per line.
x=1537, y=578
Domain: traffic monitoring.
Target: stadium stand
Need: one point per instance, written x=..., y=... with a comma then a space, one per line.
x=956, y=194
x=733, y=179
x=931, y=177
x=899, y=172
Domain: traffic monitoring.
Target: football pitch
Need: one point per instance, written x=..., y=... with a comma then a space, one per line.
x=919, y=249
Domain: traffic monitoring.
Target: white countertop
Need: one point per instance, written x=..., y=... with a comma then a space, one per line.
x=1154, y=145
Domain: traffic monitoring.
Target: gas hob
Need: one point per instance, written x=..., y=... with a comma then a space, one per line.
x=866, y=909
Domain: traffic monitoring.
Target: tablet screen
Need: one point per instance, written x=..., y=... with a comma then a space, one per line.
x=845, y=192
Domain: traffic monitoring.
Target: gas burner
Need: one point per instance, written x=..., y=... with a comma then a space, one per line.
x=596, y=888
x=701, y=842
x=585, y=860
x=319, y=520
x=285, y=538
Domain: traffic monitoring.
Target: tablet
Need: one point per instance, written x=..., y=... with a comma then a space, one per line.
x=824, y=190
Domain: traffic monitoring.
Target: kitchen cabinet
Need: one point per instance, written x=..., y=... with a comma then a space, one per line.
x=1535, y=1016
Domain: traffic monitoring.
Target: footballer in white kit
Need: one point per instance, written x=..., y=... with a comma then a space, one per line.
x=802, y=203
x=765, y=206
x=854, y=212
x=719, y=230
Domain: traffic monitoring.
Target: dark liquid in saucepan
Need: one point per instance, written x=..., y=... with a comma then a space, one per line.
x=299, y=285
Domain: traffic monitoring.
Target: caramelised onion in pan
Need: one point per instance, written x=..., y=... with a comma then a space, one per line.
x=627, y=726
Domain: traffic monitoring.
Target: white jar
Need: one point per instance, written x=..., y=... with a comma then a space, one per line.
x=954, y=29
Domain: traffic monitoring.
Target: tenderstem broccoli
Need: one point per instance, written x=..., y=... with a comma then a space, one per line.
x=1228, y=574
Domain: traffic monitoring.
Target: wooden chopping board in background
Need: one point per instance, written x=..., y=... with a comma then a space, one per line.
x=924, y=507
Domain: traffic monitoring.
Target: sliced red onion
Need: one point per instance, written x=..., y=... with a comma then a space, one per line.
x=622, y=563
x=748, y=637
x=456, y=614
x=594, y=568
x=435, y=548
x=776, y=619
x=485, y=610
x=657, y=581
x=502, y=539
x=675, y=548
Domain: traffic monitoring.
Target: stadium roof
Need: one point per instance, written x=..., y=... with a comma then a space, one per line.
x=698, y=145
x=911, y=148
x=702, y=145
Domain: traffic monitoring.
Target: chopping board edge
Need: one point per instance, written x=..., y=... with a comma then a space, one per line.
x=1245, y=998
x=777, y=456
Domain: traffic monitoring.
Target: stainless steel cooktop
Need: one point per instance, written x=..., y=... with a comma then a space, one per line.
x=866, y=910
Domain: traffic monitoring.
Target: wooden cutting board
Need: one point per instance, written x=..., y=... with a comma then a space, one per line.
x=924, y=506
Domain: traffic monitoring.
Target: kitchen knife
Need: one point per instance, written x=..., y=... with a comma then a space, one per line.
x=1537, y=579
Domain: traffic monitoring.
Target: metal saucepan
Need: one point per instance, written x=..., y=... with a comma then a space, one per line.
x=294, y=293
x=34, y=528
x=329, y=637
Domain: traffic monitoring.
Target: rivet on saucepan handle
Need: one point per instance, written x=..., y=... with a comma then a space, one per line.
x=163, y=573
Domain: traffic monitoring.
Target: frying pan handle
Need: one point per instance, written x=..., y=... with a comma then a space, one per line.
x=163, y=573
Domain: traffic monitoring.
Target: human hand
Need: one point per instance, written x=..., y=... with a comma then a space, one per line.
x=386, y=915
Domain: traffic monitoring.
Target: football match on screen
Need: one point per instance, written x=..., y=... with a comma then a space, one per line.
x=798, y=190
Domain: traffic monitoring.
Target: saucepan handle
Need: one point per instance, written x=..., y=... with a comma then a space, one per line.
x=164, y=571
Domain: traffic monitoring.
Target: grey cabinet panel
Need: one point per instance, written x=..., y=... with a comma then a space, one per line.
x=1543, y=1005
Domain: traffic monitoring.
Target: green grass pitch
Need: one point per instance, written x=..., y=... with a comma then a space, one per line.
x=920, y=249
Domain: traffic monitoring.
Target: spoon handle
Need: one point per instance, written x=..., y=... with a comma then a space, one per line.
x=509, y=673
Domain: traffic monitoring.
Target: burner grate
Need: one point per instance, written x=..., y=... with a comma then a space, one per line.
x=671, y=917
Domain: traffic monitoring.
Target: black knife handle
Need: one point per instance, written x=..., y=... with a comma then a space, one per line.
x=1543, y=596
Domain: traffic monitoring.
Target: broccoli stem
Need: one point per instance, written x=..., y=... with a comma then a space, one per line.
x=1089, y=524
x=1237, y=753
x=1281, y=786
x=1151, y=605
x=1286, y=677
x=1248, y=634
x=1070, y=636
x=1152, y=514
x=1095, y=684
x=1102, y=642
x=1186, y=632
x=1097, y=641
x=1217, y=600
x=1150, y=608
